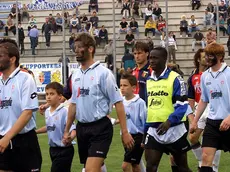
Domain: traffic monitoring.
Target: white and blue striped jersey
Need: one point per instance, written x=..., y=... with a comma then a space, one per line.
x=17, y=93
x=136, y=113
x=215, y=89
x=94, y=91
x=55, y=125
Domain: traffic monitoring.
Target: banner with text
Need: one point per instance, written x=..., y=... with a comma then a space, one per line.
x=44, y=73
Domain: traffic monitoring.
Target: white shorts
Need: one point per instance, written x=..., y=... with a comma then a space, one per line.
x=202, y=121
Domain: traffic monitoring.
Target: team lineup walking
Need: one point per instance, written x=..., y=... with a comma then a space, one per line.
x=158, y=113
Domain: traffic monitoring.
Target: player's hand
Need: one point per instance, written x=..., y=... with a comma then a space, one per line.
x=4, y=142
x=163, y=128
x=66, y=138
x=193, y=127
x=127, y=140
x=225, y=124
x=42, y=108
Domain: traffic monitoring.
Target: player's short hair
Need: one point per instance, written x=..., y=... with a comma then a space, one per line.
x=12, y=48
x=163, y=52
x=142, y=46
x=87, y=40
x=131, y=78
x=215, y=49
x=197, y=57
x=56, y=86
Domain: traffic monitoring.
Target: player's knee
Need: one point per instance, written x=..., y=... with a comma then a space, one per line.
x=151, y=167
x=92, y=169
x=125, y=166
x=206, y=159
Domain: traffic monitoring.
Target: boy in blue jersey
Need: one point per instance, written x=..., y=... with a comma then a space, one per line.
x=94, y=90
x=214, y=90
x=56, y=116
x=19, y=147
x=135, y=109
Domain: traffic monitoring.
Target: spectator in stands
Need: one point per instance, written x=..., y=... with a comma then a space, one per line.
x=83, y=29
x=94, y=19
x=198, y=39
x=47, y=28
x=94, y=32
x=118, y=2
x=87, y=26
x=161, y=25
x=71, y=42
x=67, y=18
x=210, y=36
x=221, y=25
x=208, y=18
x=150, y=43
x=211, y=9
x=128, y=62
x=196, y=4
x=103, y=35
x=129, y=40
x=123, y=27
x=148, y=0
x=183, y=26
x=13, y=12
x=172, y=48
x=33, y=34
x=223, y=10
x=25, y=12
x=59, y=22
x=10, y=26
x=150, y=26
x=125, y=11
x=76, y=11
x=93, y=4
x=21, y=37
x=52, y=21
x=32, y=22
x=108, y=50
x=193, y=25
x=133, y=25
x=2, y=24
x=136, y=8
x=148, y=12
x=74, y=23
x=228, y=45
x=156, y=12
x=84, y=19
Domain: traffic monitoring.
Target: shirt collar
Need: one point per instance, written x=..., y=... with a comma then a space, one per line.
x=56, y=110
x=222, y=68
x=95, y=64
x=153, y=76
x=15, y=72
x=133, y=99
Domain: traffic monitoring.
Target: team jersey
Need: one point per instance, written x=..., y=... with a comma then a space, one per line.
x=215, y=90
x=55, y=124
x=141, y=76
x=17, y=93
x=94, y=91
x=194, y=90
x=136, y=113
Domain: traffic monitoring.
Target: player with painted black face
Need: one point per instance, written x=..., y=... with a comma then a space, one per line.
x=214, y=91
x=19, y=147
x=94, y=89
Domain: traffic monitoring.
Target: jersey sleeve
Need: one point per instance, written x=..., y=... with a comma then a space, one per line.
x=204, y=93
x=180, y=101
x=29, y=94
x=110, y=88
x=73, y=98
x=143, y=112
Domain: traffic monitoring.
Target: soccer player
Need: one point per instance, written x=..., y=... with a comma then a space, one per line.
x=143, y=69
x=215, y=91
x=135, y=109
x=56, y=117
x=93, y=91
x=19, y=147
x=194, y=93
x=167, y=105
